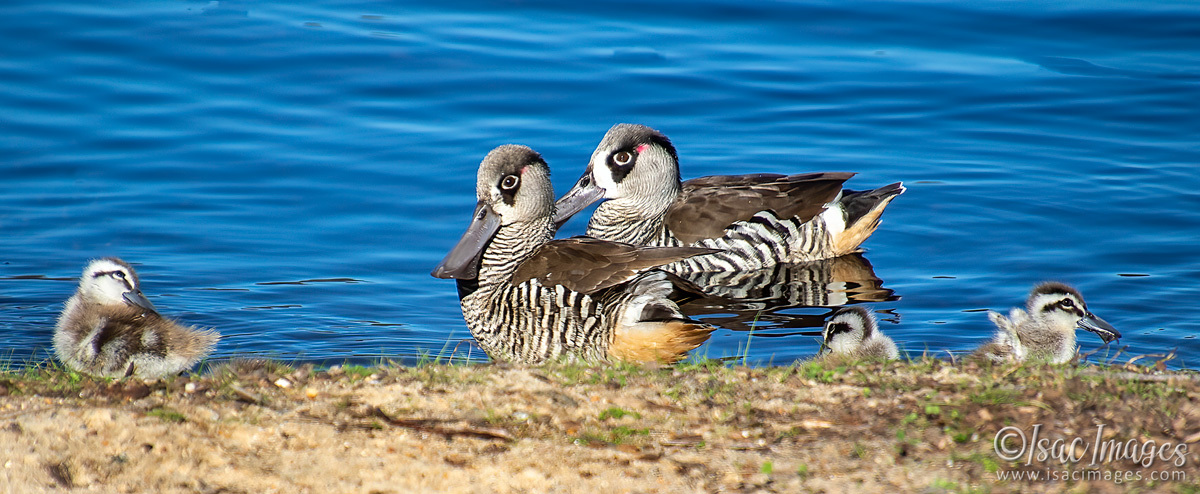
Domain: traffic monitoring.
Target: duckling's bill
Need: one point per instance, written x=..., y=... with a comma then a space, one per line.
x=1099, y=326
x=136, y=297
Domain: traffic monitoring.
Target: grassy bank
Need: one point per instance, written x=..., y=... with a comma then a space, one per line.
x=925, y=425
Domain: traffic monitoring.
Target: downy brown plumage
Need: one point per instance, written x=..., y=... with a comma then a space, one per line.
x=1046, y=332
x=852, y=333
x=109, y=329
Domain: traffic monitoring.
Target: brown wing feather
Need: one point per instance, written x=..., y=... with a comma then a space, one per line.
x=587, y=265
x=708, y=205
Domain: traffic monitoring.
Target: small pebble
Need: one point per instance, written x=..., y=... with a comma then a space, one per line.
x=189, y=388
x=311, y=393
x=283, y=383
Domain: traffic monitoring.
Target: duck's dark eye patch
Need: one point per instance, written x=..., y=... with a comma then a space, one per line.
x=621, y=163
x=510, y=182
x=508, y=187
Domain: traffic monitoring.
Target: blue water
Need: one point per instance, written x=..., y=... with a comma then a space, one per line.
x=289, y=173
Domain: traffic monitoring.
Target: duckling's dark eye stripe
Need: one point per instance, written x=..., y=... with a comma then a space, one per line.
x=1071, y=307
x=124, y=280
x=1065, y=305
x=838, y=328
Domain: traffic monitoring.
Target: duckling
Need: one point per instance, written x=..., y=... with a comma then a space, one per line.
x=1047, y=331
x=109, y=329
x=853, y=334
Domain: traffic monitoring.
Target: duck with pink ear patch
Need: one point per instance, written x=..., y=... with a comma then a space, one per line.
x=529, y=299
x=753, y=221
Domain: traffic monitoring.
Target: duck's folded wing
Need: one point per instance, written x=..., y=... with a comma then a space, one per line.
x=707, y=205
x=587, y=265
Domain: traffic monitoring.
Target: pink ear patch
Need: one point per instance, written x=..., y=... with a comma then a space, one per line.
x=642, y=147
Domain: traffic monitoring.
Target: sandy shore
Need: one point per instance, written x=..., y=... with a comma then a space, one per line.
x=922, y=426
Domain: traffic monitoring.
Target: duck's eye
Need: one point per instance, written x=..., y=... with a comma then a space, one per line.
x=1068, y=303
x=510, y=182
x=119, y=274
x=623, y=158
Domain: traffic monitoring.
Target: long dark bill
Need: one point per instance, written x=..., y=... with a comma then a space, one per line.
x=583, y=194
x=463, y=260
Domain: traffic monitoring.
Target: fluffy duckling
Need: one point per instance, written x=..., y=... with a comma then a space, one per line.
x=109, y=329
x=1047, y=331
x=853, y=334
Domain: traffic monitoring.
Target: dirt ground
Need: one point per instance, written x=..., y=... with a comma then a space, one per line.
x=921, y=426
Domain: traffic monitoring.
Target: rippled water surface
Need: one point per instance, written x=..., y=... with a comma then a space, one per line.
x=289, y=173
